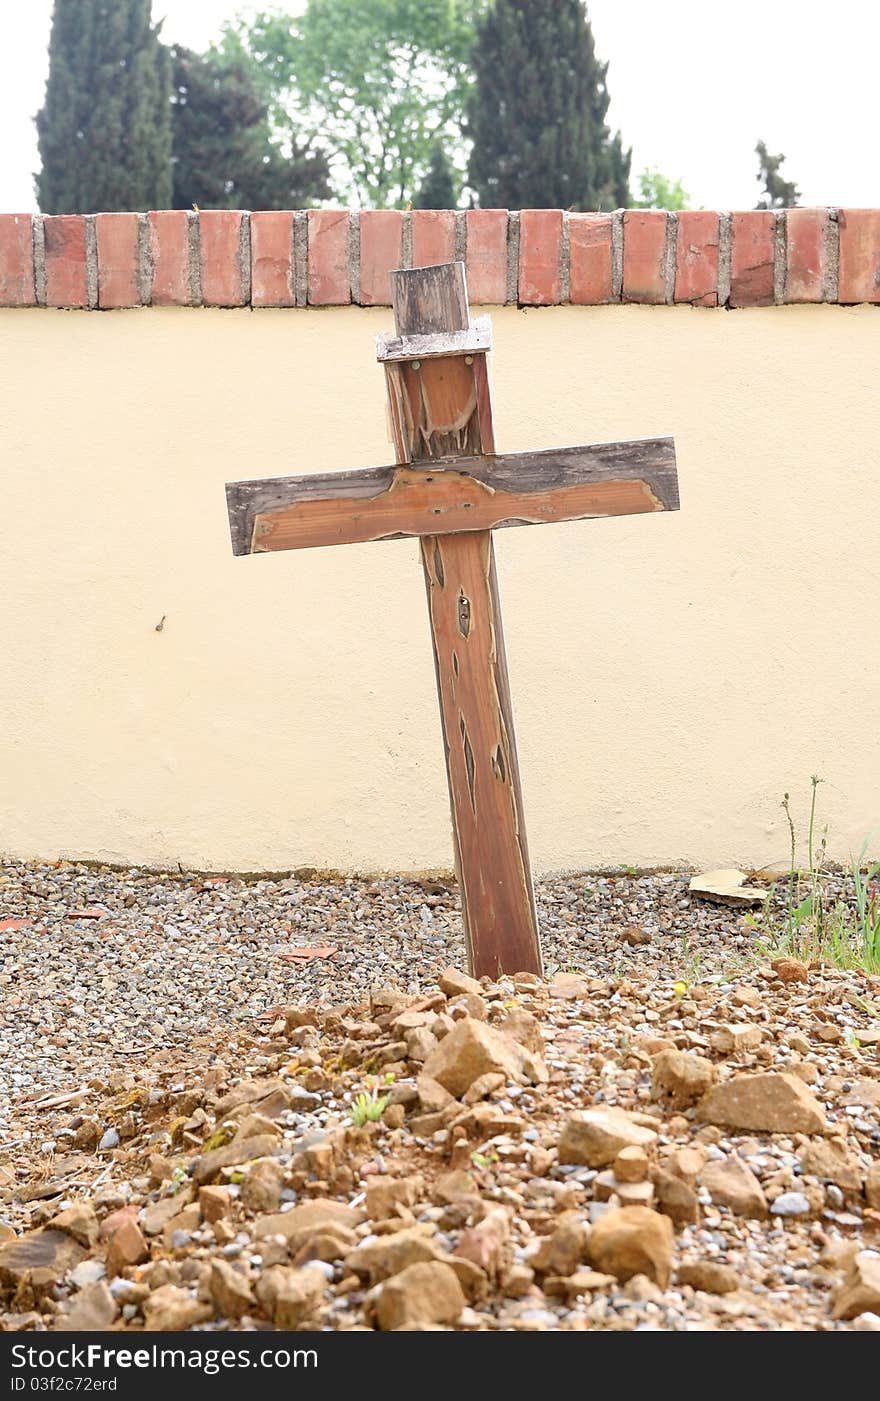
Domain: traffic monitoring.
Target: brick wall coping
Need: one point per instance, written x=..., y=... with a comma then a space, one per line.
x=534, y=257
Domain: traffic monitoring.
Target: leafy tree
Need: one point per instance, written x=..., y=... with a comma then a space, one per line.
x=537, y=111
x=657, y=191
x=378, y=82
x=438, y=190
x=105, y=126
x=779, y=193
x=222, y=155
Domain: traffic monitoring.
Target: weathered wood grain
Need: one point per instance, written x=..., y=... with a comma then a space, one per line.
x=476, y=339
x=441, y=404
x=487, y=491
x=430, y=301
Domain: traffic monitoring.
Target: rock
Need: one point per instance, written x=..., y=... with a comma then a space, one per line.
x=635, y=934
x=329, y=1246
x=580, y=1282
x=469, y=1004
x=568, y=987
x=230, y=1290
x=708, y=1276
x=687, y=1162
x=170, y=1309
x=524, y=1028
x=87, y=1272
x=262, y=1184
x=109, y=1140
x=642, y=1290
x=289, y=1295
x=385, y=1194
x=214, y=1203
x=594, y=1137
x=736, y=1038
x=91, y=1310
x=676, y=1198
x=790, y=1204
x=632, y=1240
x=867, y=1323
x=454, y=983
x=38, y=1259
x=483, y=1087
x=727, y=887
x=680, y=1078
x=156, y=1216
x=80, y=1222
x=561, y=1252
x=183, y=1224
x=422, y=1293
x=483, y=1244
x=631, y=1164
x=732, y=1184
x=454, y=1188
x=387, y=1255
x=767, y=1103
x=790, y=970
x=420, y=1042
x=297, y=1225
x=473, y=1049
x=828, y=1159
x=127, y=1248
x=860, y=1291
x=244, y=1150
x=606, y=1185
x=872, y=1186
x=433, y=1098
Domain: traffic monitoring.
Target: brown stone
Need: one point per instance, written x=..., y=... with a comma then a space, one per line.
x=388, y=1255
x=680, y=1078
x=454, y=983
x=732, y=1184
x=631, y=1164
x=38, y=1259
x=676, y=1198
x=289, y=1295
x=872, y=1185
x=262, y=1184
x=594, y=1137
x=632, y=1240
x=423, y=1293
x=296, y=1225
x=171, y=1309
x=214, y=1202
x=230, y=1290
x=829, y=1160
x=473, y=1049
x=92, y=1309
x=561, y=1252
x=385, y=1194
x=766, y=1103
x=860, y=1290
x=80, y=1222
x=244, y=1150
x=709, y=1276
x=732, y=1040
x=127, y=1247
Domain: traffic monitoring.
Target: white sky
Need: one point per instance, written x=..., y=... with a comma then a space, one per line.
x=693, y=85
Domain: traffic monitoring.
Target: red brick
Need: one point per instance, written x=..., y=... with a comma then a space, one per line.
x=433, y=237
x=805, y=262
x=696, y=258
x=487, y=256
x=272, y=258
x=540, y=257
x=859, y=271
x=644, y=255
x=117, y=239
x=16, y=260
x=329, y=280
x=381, y=231
x=589, y=243
x=220, y=257
x=751, y=258
x=169, y=252
x=65, y=260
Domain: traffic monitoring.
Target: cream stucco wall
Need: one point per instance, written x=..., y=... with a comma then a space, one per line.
x=671, y=675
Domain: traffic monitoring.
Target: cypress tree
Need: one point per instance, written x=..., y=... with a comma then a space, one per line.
x=438, y=189
x=537, y=111
x=222, y=155
x=105, y=126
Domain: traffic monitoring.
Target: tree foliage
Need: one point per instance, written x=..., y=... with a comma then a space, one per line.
x=377, y=83
x=657, y=191
x=223, y=157
x=104, y=130
x=537, y=111
x=440, y=188
x=779, y=193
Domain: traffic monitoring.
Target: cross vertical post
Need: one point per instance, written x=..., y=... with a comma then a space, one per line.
x=440, y=407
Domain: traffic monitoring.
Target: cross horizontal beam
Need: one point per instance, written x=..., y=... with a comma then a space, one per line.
x=453, y=494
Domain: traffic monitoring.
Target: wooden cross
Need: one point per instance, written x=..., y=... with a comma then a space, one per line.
x=451, y=490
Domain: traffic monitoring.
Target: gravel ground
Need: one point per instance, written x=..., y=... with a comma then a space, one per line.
x=143, y=1015
x=163, y=958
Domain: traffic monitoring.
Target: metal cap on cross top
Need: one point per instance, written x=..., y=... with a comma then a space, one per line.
x=450, y=490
